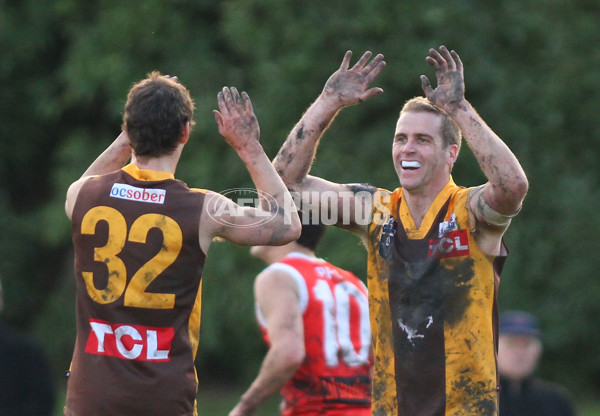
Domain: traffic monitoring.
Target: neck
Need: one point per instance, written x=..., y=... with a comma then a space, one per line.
x=165, y=163
x=272, y=254
x=419, y=200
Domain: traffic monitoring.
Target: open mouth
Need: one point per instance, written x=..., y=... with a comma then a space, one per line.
x=410, y=164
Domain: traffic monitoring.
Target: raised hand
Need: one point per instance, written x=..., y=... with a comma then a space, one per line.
x=450, y=90
x=235, y=118
x=349, y=86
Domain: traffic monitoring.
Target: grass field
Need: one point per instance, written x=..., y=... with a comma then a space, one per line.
x=215, y=400
x=219, y=400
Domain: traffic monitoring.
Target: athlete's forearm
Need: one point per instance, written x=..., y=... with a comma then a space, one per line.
x=270, y=185
x=275, y=371
x=114, y=157
x=507, y=181
x=295, y=157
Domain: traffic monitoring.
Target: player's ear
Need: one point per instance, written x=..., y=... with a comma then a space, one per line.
x=452, y=153
x=185, y=133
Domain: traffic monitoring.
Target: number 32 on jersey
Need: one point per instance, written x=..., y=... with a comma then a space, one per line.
x=134, y=293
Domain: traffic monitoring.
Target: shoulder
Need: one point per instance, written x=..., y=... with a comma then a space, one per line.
x=351, y=280
x=556, y=398
x=483, y=213
x=385, y=204
x=361, y=188
x=385, y=192
x=73, y=193
x=215, y=202
x=550, y=389
x=200, y=190
x=280, y=278
x=280, y=274
x=384, y=201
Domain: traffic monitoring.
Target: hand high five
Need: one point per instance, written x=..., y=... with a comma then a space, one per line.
x=450, y=90
x=235, y=118
x=349, y=86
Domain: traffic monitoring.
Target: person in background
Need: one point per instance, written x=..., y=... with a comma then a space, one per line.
x=26, y=384
x=519, y=352
x=141, y=238
x=315, y=318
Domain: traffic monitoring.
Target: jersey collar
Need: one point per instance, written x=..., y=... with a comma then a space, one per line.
x=147, y=174
x=405, y=216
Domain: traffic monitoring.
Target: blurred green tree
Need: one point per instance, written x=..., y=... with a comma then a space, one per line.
x=530, y=71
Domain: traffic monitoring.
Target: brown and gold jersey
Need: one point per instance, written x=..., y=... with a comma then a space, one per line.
x=138, y=267
x=432, y=297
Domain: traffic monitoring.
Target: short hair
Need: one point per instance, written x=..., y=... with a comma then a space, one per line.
x=449, y=130
x=311, y=234
x=156, y=112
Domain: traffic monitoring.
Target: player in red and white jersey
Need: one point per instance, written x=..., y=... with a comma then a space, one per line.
x=315, y=318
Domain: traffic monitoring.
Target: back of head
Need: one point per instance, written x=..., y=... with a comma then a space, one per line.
x=519, y=323
x=156, y=112
x=309, y=239
x=449, y=130
x=311, y=235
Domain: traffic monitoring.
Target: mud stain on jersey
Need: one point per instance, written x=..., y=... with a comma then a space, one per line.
x=427, y=291
x=478, y=399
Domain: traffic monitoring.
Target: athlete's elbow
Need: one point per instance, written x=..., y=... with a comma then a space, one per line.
x=295, y=226
x=288, y=229
x=294, y=357
x=286, y=234
x=520, y=187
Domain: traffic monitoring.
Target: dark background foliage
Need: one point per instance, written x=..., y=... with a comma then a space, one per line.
x=531, y=71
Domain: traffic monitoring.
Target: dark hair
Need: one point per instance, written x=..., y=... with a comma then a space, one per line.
x=449, y=130
x=156, y=112
x=311, y=235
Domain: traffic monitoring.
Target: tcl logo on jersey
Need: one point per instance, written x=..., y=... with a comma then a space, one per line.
x=129, y=342
x=133, y=193
x=453, y=244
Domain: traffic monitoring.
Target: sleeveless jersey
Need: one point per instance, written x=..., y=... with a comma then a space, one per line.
x=334, y=378
x=432, y=297
x=138, y=267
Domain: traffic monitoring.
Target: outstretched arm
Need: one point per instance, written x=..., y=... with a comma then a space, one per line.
x=114, y=157
x=275, y=221
x=498, y=200
x=278, y=300
x=345, y=87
